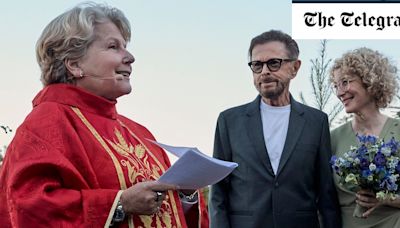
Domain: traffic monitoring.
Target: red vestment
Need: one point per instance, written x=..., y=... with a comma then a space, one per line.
x=70, y=159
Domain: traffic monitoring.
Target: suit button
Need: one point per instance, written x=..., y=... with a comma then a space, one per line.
x=276, y=184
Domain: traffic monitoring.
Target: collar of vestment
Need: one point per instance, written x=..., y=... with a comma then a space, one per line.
x=74, y=96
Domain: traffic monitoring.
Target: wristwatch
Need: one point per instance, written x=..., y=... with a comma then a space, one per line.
x=119, y=213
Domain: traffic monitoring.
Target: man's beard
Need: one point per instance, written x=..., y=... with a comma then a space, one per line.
x=275, y=93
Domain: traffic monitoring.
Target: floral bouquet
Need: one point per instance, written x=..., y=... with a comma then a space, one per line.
x=374, y=165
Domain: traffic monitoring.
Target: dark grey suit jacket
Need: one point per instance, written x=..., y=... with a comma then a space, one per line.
x=252, y=195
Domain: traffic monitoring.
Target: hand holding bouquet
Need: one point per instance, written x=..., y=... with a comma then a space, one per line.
x=373, y=166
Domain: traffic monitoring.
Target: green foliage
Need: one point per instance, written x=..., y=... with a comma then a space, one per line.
x=6, y=129
x=321, y=86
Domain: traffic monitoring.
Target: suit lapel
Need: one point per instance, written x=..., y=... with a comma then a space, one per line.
x=296, y=124
x=255, y=133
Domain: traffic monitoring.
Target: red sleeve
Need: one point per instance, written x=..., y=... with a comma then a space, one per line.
x=43, y=189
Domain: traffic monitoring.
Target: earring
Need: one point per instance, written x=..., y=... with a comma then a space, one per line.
x=80, y=73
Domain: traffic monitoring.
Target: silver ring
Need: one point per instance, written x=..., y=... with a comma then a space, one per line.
x=158, y=196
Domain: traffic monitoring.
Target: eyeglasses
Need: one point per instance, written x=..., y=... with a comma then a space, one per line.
x=272, y=64
x=343, y=85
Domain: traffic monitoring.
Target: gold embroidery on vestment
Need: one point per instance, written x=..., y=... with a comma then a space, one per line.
x=170, y=194
x=101, y=141
x=139, y=168
x=118, y=168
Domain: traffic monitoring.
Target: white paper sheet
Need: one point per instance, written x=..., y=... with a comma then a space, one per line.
x=193, y=169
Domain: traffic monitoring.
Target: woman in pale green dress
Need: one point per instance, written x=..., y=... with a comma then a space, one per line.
x=365, y=81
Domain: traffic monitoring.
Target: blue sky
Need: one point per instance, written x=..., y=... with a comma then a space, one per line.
x=190, y=60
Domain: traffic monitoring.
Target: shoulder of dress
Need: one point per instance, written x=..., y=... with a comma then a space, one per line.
x=393, y=128
x=46, y=113
x=394, y=121
x=340, y=132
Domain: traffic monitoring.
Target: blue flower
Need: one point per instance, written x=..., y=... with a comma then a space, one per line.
x=393, y=144
x=398, y=168
x=393, y=187
x=367, y=139
x=365, y=173
x=364, y=163
x=362, y=150
x=380, y=160
x=333, y=160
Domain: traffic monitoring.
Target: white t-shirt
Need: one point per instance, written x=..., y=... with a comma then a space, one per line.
x=275, y=121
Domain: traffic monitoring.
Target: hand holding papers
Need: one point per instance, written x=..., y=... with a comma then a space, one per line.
x=193, y=169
